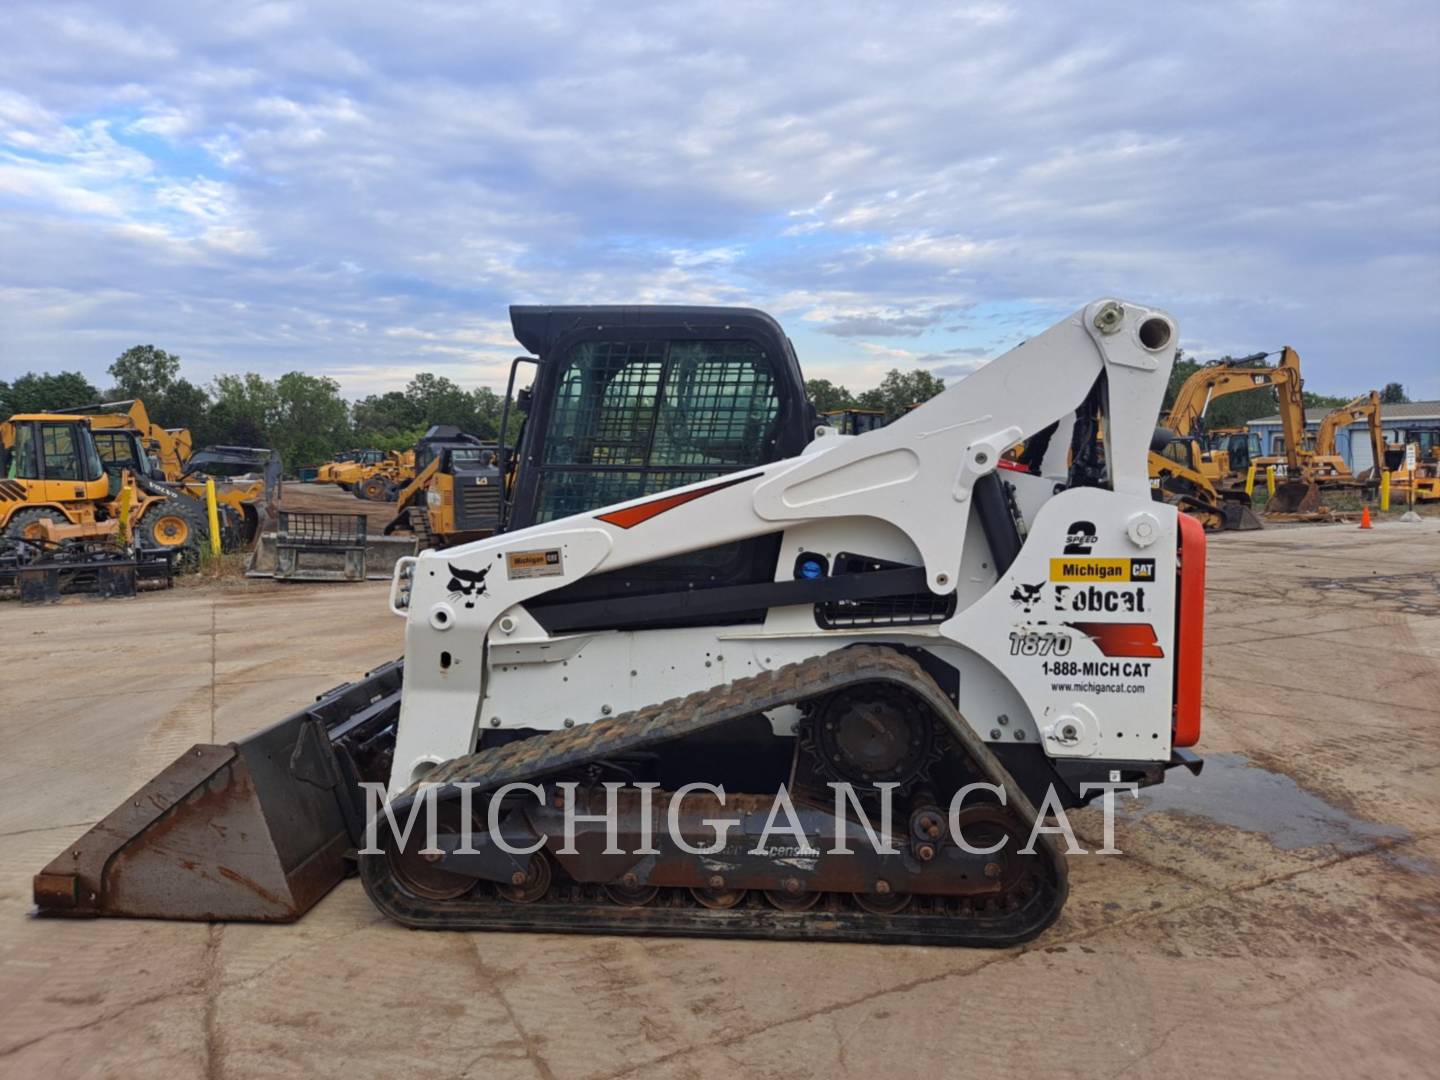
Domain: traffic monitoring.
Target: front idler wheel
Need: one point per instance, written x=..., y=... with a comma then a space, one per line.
x=422, y=875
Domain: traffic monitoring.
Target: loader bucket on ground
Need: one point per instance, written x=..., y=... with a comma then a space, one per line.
x=1294, y=497
x=254, y=831
x=1240, y=518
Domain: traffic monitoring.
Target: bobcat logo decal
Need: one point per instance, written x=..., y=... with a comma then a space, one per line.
x=467, y=583
x=1026, y=596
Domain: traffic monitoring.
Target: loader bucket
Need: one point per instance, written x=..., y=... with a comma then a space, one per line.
x=253, y=831
x=1239, y=517
x=1294, y=497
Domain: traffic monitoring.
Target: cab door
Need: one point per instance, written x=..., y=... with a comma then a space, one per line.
x=68, y=464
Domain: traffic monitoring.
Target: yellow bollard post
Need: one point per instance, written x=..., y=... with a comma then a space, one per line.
x=1270, y=480
x=1384, y=489
x=1250, y=480
x=125, y=516
x=214, y=515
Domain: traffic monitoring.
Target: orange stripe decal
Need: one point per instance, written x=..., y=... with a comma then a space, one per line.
x=1122, y=639
x=631, y=516
x=1189, y=632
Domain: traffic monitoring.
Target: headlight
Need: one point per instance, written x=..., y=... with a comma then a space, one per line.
x=432, y=498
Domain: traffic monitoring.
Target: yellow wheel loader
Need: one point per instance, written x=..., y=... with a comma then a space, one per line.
x=384, y=481
x=706, y=615
x=247, y=479
x=349, y=468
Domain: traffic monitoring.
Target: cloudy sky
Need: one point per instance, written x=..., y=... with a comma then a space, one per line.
x=360, y=189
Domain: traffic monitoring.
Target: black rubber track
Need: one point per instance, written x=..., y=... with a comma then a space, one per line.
x=571, y=908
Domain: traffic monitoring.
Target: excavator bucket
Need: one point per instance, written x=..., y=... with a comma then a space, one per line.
x=253, y=831
x=1294, y=497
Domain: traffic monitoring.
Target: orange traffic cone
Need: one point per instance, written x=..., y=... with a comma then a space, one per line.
x=1365, y=518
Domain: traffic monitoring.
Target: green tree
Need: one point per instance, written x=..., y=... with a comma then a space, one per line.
x=1182, y=371
x=34, y=392
x=827, y=396
x=382, y=416
x=244, y=410
x=899, y=390
x=145, y=372
x=438, y=400
x=1393, y=394
x=311, y=420
x=489, y=407
x=184, y=405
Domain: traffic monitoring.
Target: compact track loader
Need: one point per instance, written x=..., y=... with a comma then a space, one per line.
x=455, y=492
x=695, y=583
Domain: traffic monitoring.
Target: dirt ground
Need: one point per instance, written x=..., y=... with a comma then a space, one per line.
x=1279, y=916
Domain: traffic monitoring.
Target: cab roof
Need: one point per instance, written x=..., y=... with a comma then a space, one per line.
x=55, y=417
x=539, y=327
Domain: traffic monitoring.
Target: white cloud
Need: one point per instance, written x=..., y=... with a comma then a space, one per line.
x=362, y=188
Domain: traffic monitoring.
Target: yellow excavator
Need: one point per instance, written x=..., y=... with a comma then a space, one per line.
x=1188, y=473
x=1327, y=467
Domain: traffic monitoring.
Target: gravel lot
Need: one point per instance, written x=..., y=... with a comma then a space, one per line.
x=1280, y=916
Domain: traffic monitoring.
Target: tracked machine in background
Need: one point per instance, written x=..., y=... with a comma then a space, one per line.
x=695, y=583
x=455, y=493
x=349, y=467
x=1327, y=467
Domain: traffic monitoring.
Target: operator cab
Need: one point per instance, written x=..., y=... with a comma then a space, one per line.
x=629, y=401
x=120, y=451
x=855, y=421
x=469, y=478
x=48, y=448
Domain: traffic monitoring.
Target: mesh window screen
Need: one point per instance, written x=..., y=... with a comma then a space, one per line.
x=674, y=412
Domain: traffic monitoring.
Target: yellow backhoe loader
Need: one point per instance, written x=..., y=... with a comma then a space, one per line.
x=63, y=481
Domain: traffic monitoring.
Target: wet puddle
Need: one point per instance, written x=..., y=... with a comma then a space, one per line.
x=1236, y=792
